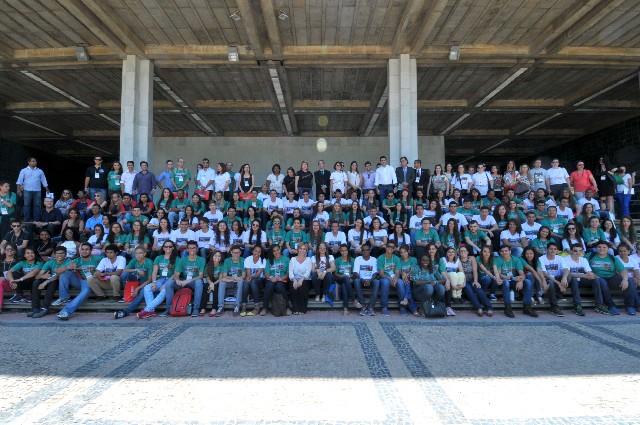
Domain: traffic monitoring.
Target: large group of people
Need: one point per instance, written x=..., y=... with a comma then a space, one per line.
x=473, y=234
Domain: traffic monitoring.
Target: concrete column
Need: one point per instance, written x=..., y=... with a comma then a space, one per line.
x=403, y=109
x=431, y=151
x=136, y=109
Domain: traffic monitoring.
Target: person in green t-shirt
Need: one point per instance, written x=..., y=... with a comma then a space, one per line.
x=425, y=236
x=509, y=273
x=276, y=274
x=233, y=271
x=406, y=264
x=47, y=279
x=610, y=272
x=342, y=276
x=389, y=274
x=475, y=238
x=27, y=269
x=189, y=273
x=79, y=270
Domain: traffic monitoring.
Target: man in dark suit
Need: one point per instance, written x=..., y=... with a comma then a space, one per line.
x=323, y=181
x=421, y=180
x=406, y=176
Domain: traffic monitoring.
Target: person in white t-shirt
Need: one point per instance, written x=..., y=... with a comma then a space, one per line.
x=557, y=178
x=482, y=180
x=338, y=178
x=275, y=179
x=254, y=266
x=531, y=227
x=581, y=274
x=556, y=273
x=365, y=274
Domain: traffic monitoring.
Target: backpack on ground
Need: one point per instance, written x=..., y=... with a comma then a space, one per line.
x=182, y=303
x=278, y=305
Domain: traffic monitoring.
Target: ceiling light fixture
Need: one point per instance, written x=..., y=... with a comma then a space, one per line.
x=233, y=54
x=282, y=15
x=235, y=16
x=454, y=53
x=81, y=54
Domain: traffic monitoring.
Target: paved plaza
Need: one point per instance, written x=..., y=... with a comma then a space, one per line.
x=321, y=368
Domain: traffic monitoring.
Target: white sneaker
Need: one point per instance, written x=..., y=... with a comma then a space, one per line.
x=60, y=301
x=450, y=312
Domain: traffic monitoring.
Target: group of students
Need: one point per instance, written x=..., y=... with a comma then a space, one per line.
x=252, y=245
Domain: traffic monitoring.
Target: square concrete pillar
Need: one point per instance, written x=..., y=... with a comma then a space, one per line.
x=136, y=109
x=402, y=109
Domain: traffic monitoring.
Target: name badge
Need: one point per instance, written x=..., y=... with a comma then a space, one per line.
x=87, y=275
x=189, y=276
x=96, y=175
x=603, y=178
x=164, y=273
x=180, y=178
x=4, y=210
x=117, y=183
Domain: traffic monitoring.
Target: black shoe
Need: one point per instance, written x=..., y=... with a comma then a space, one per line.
x=41, y=313
x=32, y=312
x=555, y=310
x=529, y=311
x=508, y=311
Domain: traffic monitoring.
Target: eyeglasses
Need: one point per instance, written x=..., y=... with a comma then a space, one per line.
x=577, y=250
x=571, y=228
x=15, y=225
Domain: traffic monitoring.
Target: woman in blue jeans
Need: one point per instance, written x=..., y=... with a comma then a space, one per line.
x=485, y=272
x=473, y=290
x=428, y=283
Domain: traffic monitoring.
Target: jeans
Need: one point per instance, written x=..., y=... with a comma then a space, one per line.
x=623, y=201
x=85, y=291
x=527, y=291
x=254, y=287
x=154, y=298
x=384, y=189
x=488, y=283
x=426, y=292
x=196, y=287
x=32, y=200
x=516, y=251
x=66, y=280
x=477, y=296
x=346, y=290
x=222, y=289
x=574, y=284
x=615, y=281
x=374, y=295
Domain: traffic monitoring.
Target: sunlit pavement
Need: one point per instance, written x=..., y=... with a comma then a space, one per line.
x=320, y=368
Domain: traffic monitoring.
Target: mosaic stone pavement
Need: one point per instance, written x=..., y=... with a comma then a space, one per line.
x=320, y=369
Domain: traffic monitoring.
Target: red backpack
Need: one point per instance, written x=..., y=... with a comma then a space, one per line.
x=182, y=303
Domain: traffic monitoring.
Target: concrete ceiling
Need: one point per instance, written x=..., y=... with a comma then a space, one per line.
x=531, y=74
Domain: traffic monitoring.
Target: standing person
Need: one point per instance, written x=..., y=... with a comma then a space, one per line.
x=164, y=179
x=275, y=179
x=233, y=181
x=462, y=181
x=304, y=180
x=206, y=177
x=354, y=179
x=337, y=180
x=180, y=177
x=222, y=181
x=386, y=179
x=127, y=178
x=624, y=190
x=246, y=182
x=482, y=180
x=96, y=179
x=557, y=178
x=405, y=175
x=539, y=176
x=581, y=180
x=606, y=184
x=368, y=179
x=422, y=177
x=144, y=182
x=323, y=181
x=114, y=177
x=30, y=182
x=7, y=207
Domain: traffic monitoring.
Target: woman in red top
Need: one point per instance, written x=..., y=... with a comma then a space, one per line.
x=582, y=179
